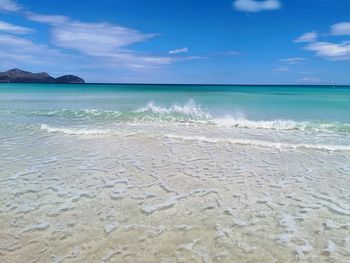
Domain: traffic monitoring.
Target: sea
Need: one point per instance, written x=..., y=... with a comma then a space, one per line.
x=174, y=173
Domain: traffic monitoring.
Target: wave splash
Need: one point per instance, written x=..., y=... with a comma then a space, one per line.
x=188, y=113
x=193, y=113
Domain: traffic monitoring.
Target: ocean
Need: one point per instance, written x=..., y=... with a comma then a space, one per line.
x=174, y=173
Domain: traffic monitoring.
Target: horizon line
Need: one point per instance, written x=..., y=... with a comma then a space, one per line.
x=179, y=84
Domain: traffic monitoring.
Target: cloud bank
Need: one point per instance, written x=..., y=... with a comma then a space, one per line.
x=102, y=40
x=332, y=51
x=307, y=37
x=341, y=29
x=14, y=29
x=9, y=6
x=328, y=49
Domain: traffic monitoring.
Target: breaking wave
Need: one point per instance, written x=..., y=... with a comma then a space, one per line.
x=189, y=113
x=190, y=109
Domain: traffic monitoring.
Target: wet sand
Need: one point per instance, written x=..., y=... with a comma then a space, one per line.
x=70, y=198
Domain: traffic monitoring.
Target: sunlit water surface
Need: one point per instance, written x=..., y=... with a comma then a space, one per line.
x=117, y=173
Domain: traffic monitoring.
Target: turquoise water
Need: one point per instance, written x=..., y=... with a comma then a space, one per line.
x=253, y=102
x=123, y=173
x=312, y=110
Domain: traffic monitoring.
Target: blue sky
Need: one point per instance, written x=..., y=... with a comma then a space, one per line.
x=182, y=41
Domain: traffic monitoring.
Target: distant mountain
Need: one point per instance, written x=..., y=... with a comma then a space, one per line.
x=20, y=76
x=69, y=79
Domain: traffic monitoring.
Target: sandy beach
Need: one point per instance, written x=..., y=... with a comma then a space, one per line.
x=88, y=198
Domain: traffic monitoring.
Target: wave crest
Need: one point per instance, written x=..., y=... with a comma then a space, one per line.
x=188, y=113
x=190, y=109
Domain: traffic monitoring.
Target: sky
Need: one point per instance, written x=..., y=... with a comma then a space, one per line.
x=180, y=41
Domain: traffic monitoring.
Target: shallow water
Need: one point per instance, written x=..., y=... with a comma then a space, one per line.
x=172, y=179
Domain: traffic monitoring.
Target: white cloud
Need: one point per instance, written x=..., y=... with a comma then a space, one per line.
x=328, y=49
x=89, y=47
x=90, y=38
x=341, y=29
x=14, y=29
x=47, y=19
x=256, y=6
x=23, y=44
x=292, y=61
x=134, y=60
x=307, y=37
x=103, y=41
x=96, y=39
x=18, y=50
x=333, y=51
x=178, y=50
x=9, y=5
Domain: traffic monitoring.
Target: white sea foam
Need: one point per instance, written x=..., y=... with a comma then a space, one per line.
x=189, y=112
x=188, y=109
x=73, y=131
x=194, y=113
x=247, y=142
x=259, y=143
x=193, y=110
x=229, y=121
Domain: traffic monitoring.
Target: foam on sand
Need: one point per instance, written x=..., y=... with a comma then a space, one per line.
x=267, y=144
x=75, y=131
